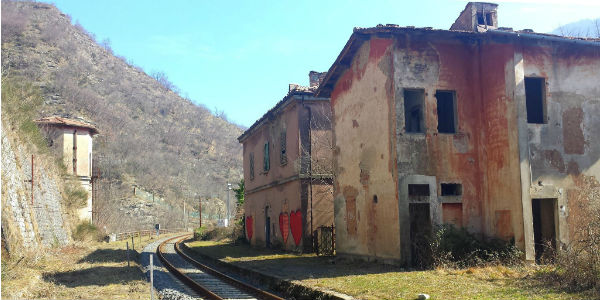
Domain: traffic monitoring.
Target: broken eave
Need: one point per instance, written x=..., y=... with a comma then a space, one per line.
x=360, y=35
x=300, y=94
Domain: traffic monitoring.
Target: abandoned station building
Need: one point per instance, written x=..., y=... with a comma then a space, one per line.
x=479, y=126
x=72, y=137
x=287, y=170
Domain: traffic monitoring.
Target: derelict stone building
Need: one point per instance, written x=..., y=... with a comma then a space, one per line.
x=479, y=126
x=287, y=170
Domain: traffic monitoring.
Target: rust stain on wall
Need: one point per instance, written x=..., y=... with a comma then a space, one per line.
x=555, y=159
x=572, y=133
x=503, y=225
x=350, y=194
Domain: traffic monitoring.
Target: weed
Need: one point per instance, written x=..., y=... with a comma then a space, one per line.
x=457, y=247
x=86, y=231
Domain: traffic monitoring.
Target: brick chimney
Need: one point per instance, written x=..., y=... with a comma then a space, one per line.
x=477, y=17
x=316, y=78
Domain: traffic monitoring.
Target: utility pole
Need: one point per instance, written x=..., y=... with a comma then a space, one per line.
x=31, y=180
x=184, y=216
x=228, y=216
x=200, y=211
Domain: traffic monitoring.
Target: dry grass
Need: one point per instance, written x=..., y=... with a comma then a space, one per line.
x=83, y=270
x=373, y=281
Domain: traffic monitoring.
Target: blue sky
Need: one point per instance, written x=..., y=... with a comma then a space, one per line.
x=240, y=56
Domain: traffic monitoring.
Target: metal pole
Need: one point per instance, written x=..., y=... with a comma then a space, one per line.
x=127, y=243
x=151, y=276
x=132, y=242
x=32, y=180
x=200, y=211
x=228, y=189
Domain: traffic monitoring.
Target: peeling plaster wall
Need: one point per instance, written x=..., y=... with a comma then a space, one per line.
x=482, y=154
x=285, y=188
x=285, y=197
x=364, y=155
x=561, y=157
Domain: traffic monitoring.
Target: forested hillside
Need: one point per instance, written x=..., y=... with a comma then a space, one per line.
x=149, y=135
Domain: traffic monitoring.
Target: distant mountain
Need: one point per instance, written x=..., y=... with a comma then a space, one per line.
x=583, y=28
x=149, y=135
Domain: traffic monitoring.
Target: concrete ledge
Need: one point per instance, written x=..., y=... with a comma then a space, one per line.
x=277, y=284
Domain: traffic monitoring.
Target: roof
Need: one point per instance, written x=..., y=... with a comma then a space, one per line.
x=62, y=121
x=360, y=35
x=298, y=92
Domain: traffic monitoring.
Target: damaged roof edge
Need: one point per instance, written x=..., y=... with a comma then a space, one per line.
x=361, y=34
x=63, y=121
x=298, y=95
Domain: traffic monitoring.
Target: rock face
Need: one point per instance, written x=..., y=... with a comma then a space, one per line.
x=24, y=225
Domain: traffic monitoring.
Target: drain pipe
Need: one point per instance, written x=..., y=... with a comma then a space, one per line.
x=308, y=109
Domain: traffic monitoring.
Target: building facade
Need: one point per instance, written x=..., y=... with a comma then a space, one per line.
x=73, y=140
x=481, y=127
x=287, y=171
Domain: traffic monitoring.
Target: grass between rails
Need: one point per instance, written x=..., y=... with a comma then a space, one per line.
x=365, y=280
x=81, y=270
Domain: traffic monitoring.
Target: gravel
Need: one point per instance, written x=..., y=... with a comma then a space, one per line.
x=168, y=287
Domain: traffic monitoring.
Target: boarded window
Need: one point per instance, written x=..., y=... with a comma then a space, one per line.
x=451, y=189
x=446, y=111
x=535, y=100
x=413, y=111
x=452, y=214
x=266, y=158
x=282, y=144
x=418, y=189
x=251, y=159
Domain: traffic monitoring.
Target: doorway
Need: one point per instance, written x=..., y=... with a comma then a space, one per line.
x=544, y=227
x=420, y=233
x=267, y=228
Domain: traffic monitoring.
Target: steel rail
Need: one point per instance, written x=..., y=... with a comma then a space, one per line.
x=260, y=294
x=197, y=287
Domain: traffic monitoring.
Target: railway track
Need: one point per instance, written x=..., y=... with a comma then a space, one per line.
x=207, y=282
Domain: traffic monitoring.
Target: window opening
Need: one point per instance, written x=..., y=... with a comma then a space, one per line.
x=251, y=166
x=413, y=111
x=283, y=146
x=418, y=189
x=266, y=158
x=451, y=189
x=535, y=100
x=446, y=111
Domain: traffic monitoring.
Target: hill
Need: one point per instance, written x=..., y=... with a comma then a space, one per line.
x=149, y=135
x=582, y=28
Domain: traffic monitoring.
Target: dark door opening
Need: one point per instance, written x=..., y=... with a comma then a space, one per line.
x=420, y=233
x=267, y=228
x=544, y=227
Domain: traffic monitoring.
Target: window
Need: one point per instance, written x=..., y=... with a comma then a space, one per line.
x=418, y=189
x=251, y=163
x=484, y=21
x=282, y=144
x=266, y=165
x=535, y=100
x=413, y=111
x=451, y=189
x=446, y=111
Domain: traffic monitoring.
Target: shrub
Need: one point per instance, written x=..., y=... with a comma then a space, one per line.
x=454, y=247
x=577, y=265
x=75, y=195
x=86, y=231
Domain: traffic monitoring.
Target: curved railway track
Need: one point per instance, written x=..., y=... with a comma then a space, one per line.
x=208, y=282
